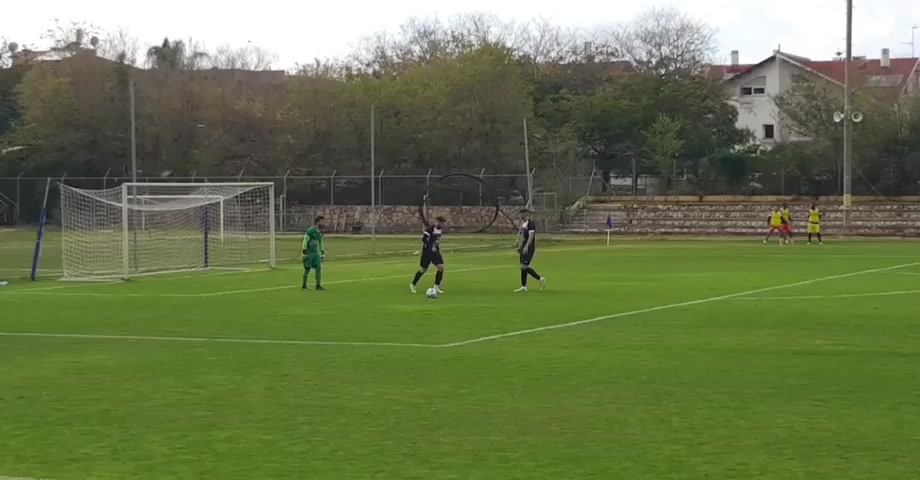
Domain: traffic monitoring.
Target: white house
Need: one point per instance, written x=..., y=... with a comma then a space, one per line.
x=753, y=87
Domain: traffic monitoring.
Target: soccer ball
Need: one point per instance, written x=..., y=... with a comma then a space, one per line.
x=432, y=293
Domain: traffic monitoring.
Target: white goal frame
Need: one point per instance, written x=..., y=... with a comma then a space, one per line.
x=132, y=202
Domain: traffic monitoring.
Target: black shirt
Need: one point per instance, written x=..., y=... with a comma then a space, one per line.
x=528, y=228
x=431, y=239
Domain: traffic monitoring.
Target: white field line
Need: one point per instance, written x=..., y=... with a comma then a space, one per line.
x=212, y=340
x=38, y=291
x=21, y=478
x=454, y=344
x=510, y=252
x=44, y=270
x=350, y=263
x=59, y=287
x=350, y=280
x=908, y=273
x=822, y=297
x=673, y=305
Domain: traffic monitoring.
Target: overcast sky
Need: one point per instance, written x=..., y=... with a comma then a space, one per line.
x=300, y=30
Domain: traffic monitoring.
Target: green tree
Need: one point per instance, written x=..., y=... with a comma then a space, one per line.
x=74, y=118
x=663, y=143
x=613, y=123
x=175, y=55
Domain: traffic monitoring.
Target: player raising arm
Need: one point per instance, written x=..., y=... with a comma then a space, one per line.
x=431, y=254
x=527, y=248
x=775, y=221
x=814, y=223
x=314, y=252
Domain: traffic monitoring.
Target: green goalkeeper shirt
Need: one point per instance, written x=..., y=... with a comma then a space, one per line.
x=313, y=241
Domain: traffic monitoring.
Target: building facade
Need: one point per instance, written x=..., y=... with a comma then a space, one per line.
x=753, y=88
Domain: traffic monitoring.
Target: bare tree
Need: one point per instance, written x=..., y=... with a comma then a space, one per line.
x=478, y=29
x=666, y=41
x=7, y=49
x=70, y=37
x=177, y=55
x=119, y=46
x=377, y=53
x=250, y=57
x=330, y=69
x=546, y=42
x=423, y=40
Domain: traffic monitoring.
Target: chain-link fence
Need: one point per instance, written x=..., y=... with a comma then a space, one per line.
x=21, y=197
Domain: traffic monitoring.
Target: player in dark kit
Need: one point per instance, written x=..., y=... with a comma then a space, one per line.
x=527, y=248
x=431, y=254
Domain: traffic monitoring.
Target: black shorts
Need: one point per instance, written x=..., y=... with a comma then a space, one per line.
x=527, y=257
x=429, y=258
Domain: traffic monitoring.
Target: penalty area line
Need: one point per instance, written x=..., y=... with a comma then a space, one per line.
x=737, y=295
x=56, y=289
x=90, y=336
x=673, y=305
x=823, y=297
x=334, y=282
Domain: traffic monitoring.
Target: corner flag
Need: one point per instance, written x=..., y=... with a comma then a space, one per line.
x=609, y=227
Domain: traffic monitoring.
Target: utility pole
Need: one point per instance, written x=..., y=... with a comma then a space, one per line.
x=133, y=132
x=373, y=181
x=912, y=43
x=847, y=124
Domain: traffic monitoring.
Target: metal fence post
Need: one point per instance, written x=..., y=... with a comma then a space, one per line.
x=380, y=187
x=425, y=199
x=332, y=187
x=481, y=174
x=16, y=212
x=284, y=196
x=105, y=179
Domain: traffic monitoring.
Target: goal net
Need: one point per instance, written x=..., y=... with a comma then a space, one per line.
x=156, y=228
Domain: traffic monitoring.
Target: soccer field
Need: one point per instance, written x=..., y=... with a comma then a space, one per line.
x=644, y=360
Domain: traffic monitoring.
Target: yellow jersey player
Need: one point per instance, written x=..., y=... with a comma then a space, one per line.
x=787, y=223
x=814, y=223
x=775, y=221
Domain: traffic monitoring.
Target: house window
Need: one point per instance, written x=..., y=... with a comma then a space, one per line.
x=768, y=132
x=757, y=86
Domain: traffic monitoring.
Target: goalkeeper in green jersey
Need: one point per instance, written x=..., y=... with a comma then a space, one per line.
x=314, y=253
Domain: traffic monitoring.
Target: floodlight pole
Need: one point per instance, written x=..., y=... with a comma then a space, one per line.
x=913, y=30
x=17, y=212
x=133, y=131
x=527, y=167
x=373, y=186
x=847, y=124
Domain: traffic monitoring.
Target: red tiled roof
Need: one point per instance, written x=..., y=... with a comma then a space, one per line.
x=720, y=72
x=885, y=83
x=836, y=69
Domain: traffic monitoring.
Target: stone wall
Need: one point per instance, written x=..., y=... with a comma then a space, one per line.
x=634, y=216
x=722, y=218
x=398, y=219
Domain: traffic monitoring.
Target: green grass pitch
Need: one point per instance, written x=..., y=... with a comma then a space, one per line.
x=693, y=360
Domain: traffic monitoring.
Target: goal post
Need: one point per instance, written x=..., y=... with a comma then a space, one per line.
x=156, y=228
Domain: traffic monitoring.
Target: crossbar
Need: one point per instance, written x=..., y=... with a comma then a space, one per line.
x=198, y=184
